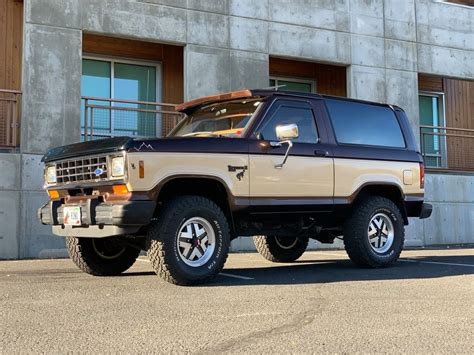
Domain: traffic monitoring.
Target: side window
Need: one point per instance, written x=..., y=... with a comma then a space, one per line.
x=297, y=113
x=358, y=123
x=433, y=144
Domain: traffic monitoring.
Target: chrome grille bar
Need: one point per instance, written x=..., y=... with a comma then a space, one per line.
x=83, y=169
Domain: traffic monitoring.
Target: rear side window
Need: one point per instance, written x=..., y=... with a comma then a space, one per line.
x=358, y=123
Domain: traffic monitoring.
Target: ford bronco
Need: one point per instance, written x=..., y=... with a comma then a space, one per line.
x=282, y=167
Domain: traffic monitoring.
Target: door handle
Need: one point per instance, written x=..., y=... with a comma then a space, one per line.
x=321, y=153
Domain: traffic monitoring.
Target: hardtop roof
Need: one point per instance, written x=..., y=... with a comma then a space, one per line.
x=265, y=93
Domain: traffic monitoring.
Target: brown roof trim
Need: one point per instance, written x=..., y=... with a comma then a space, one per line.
x=241, y=94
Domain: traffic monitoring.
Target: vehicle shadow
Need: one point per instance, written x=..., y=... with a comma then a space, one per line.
x=337, y=270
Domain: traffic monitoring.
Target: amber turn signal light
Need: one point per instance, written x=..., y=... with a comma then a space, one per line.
x=53, y=194
x=120, y=189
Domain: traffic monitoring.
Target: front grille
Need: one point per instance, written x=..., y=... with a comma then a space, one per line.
x=86, y=169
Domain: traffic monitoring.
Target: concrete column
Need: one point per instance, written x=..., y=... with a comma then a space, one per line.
x=366, y=83
x=9, y=205
x=207, y=71
x=402, y=90
x=36, y=240
x=51, y=87
x=248, y=70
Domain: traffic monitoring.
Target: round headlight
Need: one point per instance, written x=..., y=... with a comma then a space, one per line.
x=50, y=174
x=118, y=166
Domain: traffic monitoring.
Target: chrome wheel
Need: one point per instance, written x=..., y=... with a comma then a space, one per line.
x=285, y=242
x=107, y=248
x=196, y=241
x=381, y=233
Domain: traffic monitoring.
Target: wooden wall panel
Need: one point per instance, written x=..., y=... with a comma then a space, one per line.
x=11, y=43
x=330, y=79
x=119, y=47
x=459, y=100
x=173, y=58
x=430, y=83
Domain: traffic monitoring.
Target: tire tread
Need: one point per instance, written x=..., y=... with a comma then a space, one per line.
x=355, y=229
x=80, y=254
x=159, y=230
x=267, y=247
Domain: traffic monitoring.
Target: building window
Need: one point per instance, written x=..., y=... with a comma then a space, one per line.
x=433, y=141
x=124, y=84
x=292, y=84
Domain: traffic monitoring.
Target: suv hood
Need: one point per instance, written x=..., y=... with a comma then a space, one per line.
x=132, y=145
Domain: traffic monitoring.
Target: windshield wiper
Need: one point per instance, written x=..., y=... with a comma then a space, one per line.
x=197, y=133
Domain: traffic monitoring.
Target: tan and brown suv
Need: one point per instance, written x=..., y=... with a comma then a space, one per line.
x=281, y=167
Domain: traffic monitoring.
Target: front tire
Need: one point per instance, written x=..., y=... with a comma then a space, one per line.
x=280, y=249
x=101, y=256
x=375, y=233
x=189, y=242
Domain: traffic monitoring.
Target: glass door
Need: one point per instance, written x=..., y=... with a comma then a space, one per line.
x=96, y=82
x=136, y=83
x=290, y=84
x=119, y=80
x=433, y=145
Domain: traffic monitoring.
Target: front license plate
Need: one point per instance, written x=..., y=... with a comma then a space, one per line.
x=72, y=216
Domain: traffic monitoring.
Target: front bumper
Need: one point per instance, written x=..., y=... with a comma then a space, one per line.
x=99, y=219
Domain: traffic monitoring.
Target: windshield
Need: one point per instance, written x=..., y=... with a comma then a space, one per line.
x=221, y=119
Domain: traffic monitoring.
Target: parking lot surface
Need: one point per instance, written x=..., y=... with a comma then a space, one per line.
x=322, y=303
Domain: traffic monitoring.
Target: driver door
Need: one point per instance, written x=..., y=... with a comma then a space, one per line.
x=306, y=180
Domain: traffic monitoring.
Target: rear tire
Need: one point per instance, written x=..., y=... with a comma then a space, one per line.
x=189, y=242
x=101, y=256
x=375, y=233
x=280, y=249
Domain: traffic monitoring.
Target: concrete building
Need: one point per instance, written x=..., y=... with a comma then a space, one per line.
x=418, y=54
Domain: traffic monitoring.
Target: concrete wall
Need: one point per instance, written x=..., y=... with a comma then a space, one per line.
x=384, y=43
x=21, y=194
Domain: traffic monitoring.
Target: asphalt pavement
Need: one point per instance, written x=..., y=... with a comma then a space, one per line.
x=322, y=303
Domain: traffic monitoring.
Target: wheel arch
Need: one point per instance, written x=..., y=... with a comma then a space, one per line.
x=208, y=186
x=388, y=190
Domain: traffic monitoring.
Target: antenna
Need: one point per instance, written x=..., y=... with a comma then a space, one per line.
x=276, y=87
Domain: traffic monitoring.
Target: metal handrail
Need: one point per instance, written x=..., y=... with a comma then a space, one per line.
x=8, y=91
x=161, y=110
x=448, y=128
x=10, y=112
x=446, y=134
x=124, y=108
x=453, y=152
x=129, y=101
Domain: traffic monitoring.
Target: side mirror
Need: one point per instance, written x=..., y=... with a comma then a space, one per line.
x=286, y=131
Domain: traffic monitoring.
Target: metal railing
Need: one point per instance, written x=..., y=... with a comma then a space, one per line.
x=447, y=148
x=10, y=112
x=103, y=117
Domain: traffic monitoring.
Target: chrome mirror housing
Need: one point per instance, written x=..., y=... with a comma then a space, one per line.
x=286, y=131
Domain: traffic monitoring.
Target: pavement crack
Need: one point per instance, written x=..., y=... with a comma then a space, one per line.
x=296, y=323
